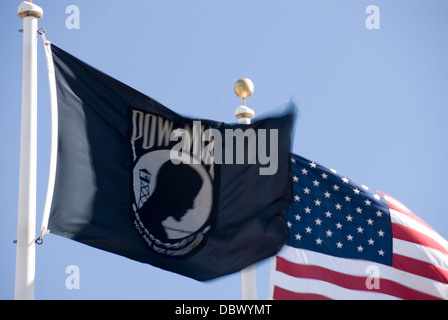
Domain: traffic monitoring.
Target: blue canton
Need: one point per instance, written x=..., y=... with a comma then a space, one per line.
x=333, y=215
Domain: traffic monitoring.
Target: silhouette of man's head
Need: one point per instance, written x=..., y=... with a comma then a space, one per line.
x=177, y=187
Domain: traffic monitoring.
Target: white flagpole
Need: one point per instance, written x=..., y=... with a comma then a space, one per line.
x=26, y=218
x=243, y=89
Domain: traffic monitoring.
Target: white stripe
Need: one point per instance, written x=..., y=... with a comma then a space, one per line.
x=396, y=203
x=326, y=289
x=404, y=220
x=422, y=253
x=358, y=268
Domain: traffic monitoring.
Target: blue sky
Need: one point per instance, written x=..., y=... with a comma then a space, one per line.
x=373, y=104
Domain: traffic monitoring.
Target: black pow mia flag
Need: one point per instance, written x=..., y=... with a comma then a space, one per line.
x=197, y=197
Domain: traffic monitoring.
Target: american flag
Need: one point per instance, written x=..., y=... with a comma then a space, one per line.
x=346, y=242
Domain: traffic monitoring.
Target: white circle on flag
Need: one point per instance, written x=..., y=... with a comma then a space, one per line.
x=145, y=175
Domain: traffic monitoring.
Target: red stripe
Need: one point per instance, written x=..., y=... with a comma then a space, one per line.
x=411, y=235
x=420, y=268
x=404, y=210
x=283, y=294
x=347, y=281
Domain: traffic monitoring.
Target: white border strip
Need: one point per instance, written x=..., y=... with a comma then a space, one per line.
x=54, y=139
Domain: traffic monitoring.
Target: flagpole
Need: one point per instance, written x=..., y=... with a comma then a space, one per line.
x=244, y=89
x=26, y=217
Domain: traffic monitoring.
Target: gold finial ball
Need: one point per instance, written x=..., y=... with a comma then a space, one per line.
x=244, y=88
